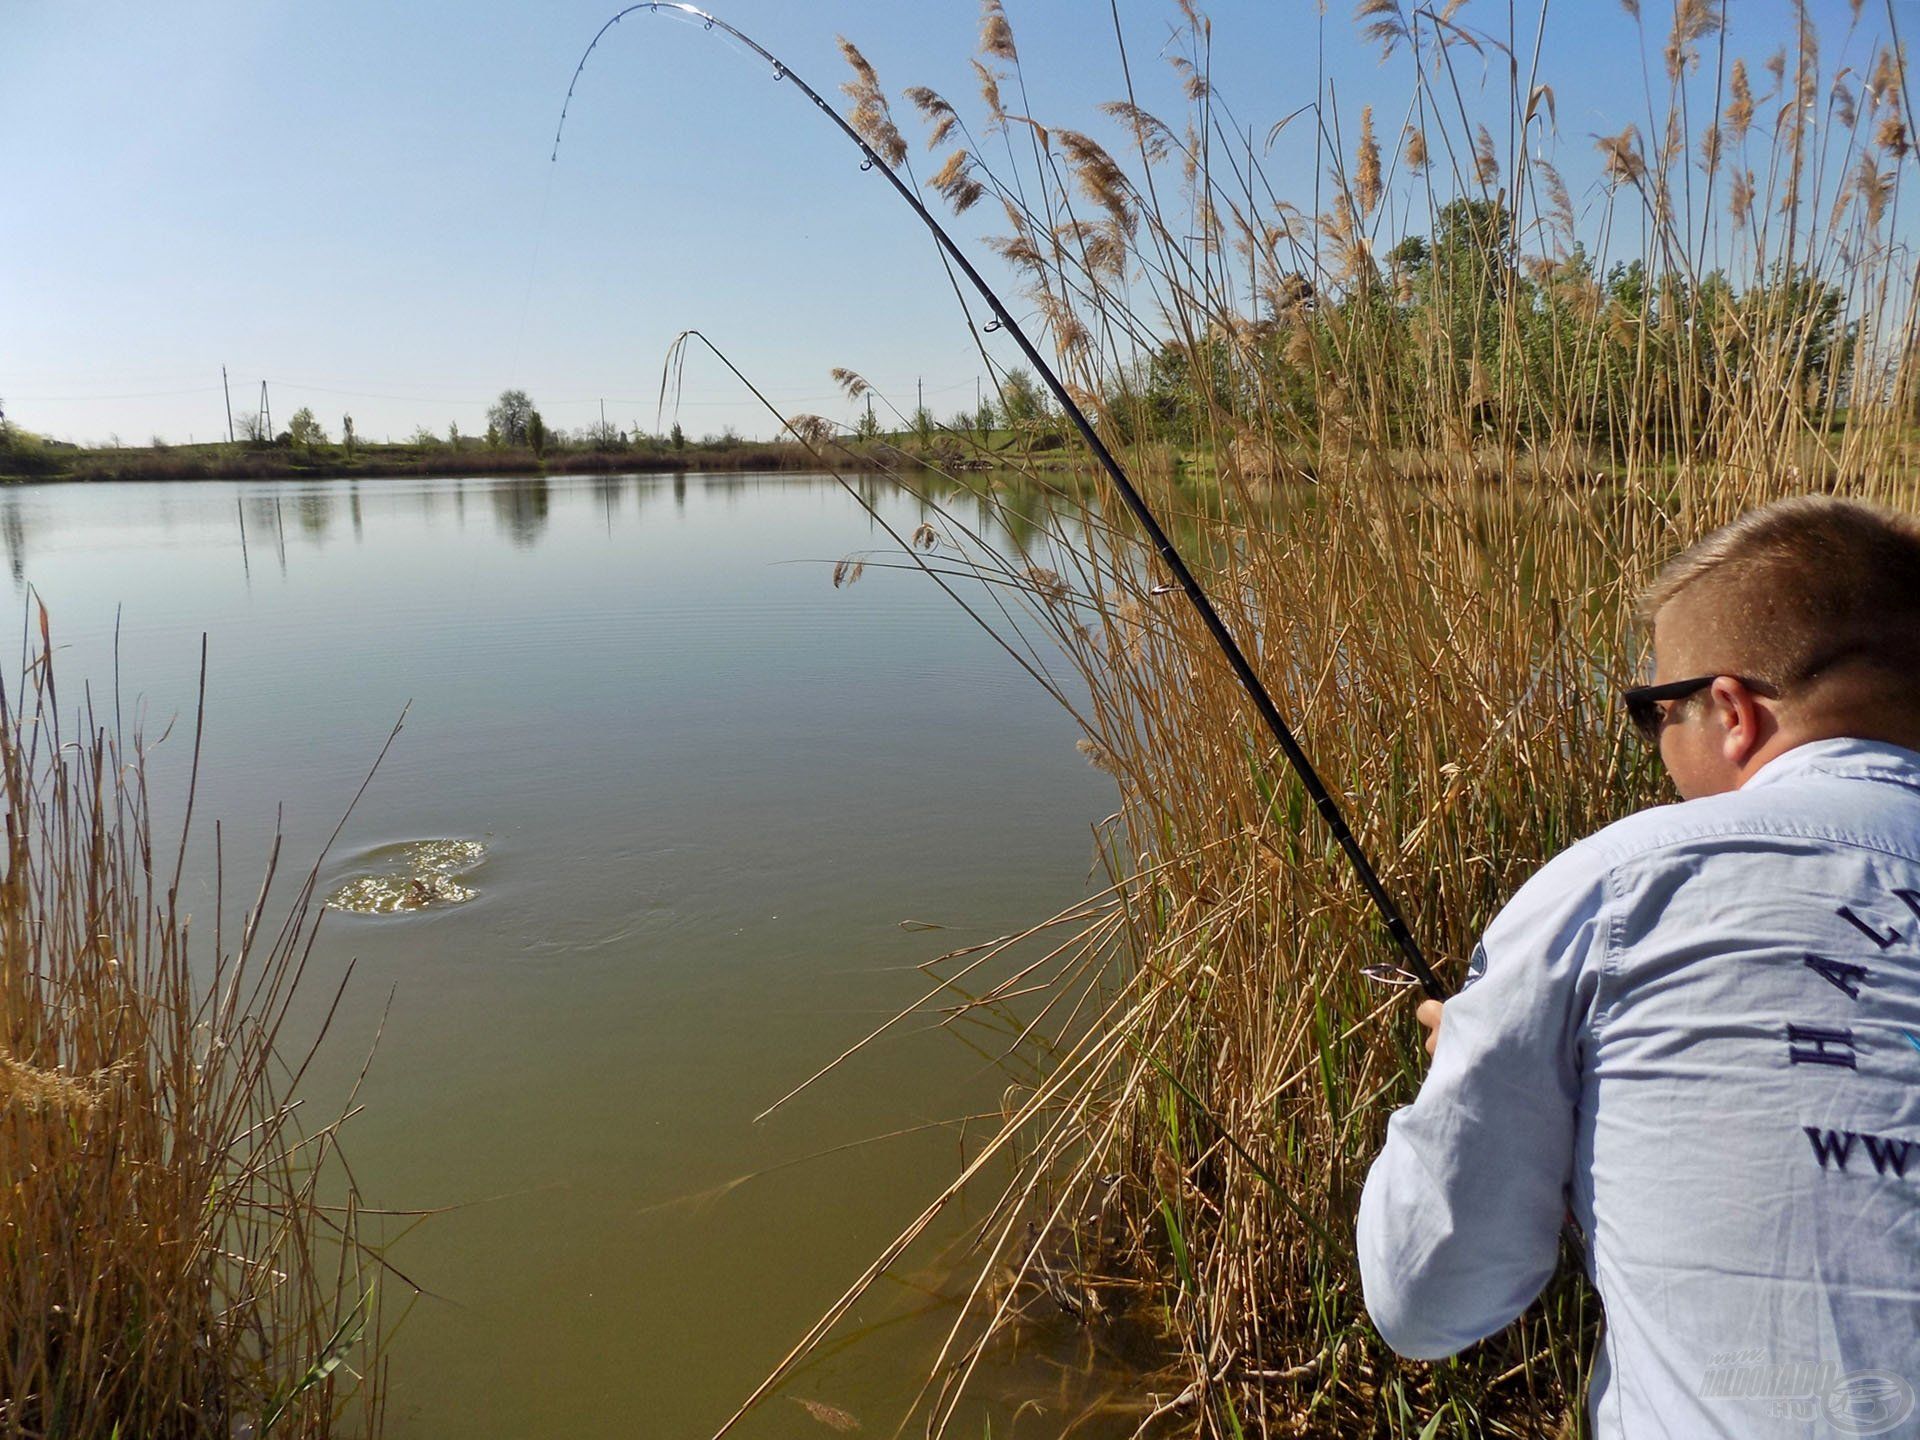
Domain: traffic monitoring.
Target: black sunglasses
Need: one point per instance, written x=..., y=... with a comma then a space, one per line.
x=1645, y=703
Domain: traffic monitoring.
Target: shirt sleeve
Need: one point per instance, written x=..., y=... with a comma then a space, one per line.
x=1460, y=1218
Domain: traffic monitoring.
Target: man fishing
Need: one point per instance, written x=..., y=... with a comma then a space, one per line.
x=1698, y=1031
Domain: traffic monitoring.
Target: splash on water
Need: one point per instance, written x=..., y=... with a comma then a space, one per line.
x=418, y=875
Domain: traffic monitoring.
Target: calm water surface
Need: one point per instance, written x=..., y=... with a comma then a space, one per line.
x=711, y=786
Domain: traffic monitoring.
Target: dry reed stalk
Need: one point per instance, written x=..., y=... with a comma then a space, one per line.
x=179, y=1254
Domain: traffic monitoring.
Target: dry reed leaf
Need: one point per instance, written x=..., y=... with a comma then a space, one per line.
x=925, y=537
x=848, y=571
x=831, y=1416
x=1543, y=92
x=850, y=381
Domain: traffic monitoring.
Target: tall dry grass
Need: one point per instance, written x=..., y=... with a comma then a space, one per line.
x=179, y=1242
x=1422, y=433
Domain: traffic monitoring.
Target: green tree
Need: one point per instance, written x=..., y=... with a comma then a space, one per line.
x=346, y=432
x=305, y=430
x=677, y=437
x=510, y=416
x=1021, y=399
x=536, y=433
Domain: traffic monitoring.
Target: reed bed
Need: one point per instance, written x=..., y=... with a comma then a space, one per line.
x=1422, y=434
x=180, y=1251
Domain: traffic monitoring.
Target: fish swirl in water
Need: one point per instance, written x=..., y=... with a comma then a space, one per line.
x=415, y=876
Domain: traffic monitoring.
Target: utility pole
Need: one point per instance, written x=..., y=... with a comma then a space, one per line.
x=603, y=416
x=920, y=388
x=229, y=394
x=266, y=413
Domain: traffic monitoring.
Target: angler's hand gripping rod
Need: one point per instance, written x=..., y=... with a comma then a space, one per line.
x=1323, y=801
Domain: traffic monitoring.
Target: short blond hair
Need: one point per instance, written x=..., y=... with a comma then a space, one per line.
x=1802, y=591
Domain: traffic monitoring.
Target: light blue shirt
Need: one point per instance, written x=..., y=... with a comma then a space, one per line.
x=1699, y=1030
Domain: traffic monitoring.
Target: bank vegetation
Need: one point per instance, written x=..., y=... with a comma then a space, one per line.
x=1455, y=407
x=180, y=1242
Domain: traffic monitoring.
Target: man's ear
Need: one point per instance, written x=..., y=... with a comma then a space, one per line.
x=1741, y=722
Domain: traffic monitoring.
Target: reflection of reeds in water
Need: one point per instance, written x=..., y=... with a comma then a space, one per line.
x=179, y=1253
x=1505, y=431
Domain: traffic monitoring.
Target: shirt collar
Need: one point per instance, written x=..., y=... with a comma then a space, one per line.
x=1841, y=756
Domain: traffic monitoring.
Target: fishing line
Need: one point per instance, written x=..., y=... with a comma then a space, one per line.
x=1396, y=926
x=533, y=267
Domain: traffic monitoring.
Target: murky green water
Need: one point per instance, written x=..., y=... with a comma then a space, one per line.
x=707, y=788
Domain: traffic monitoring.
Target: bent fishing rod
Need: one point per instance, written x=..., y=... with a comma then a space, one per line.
x=1163, y=546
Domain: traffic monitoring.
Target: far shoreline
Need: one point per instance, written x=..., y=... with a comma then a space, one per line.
x=76, y=465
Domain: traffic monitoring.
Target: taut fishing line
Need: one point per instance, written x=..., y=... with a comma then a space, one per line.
x=1417, y=968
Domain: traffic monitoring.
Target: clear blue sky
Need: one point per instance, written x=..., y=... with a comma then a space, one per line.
x=354, y=201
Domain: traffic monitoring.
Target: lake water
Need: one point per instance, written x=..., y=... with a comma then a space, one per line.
x=711, y=786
